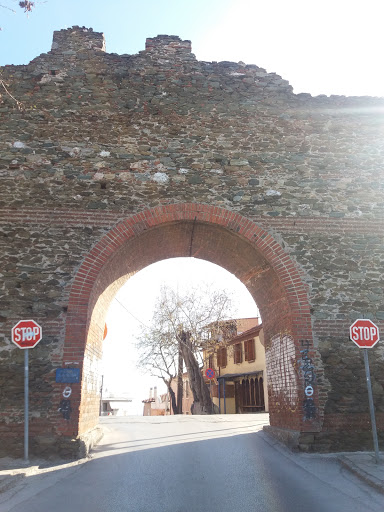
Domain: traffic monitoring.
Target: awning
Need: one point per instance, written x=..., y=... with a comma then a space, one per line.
x=231, y=376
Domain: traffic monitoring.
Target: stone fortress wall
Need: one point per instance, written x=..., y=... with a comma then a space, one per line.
x=98, y=138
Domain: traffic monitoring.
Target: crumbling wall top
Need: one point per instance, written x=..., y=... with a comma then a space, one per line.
x=169, y=44
x=75, y=39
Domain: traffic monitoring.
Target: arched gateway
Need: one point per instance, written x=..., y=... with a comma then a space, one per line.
x=219, y=236
x=111, y=162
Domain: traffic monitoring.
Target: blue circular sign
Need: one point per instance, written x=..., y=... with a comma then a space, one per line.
x=209, y=373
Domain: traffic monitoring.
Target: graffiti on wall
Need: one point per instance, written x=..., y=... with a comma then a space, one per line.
x=282, y=376
x=309, y=378
x=65, y=404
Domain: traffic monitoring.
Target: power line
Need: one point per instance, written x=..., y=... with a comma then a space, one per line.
x=137, y=319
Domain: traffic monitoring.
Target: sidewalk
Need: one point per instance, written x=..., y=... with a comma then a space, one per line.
x=363, y=465
x=14, y=471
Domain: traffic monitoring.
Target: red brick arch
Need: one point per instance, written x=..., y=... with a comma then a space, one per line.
x=211, y=233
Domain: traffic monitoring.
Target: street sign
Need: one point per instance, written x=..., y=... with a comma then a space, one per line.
x=68, y=375
x=26, y=334
x=209, y=373
x=364, y=333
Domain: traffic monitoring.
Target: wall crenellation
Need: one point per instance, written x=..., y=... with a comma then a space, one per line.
x=76, y=39
x=168, y=45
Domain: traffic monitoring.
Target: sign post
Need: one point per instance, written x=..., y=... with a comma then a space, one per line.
x=26, y=334
x=365, y=334
x=26, y=404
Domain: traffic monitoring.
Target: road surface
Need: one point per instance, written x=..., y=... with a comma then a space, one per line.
x=194, y=464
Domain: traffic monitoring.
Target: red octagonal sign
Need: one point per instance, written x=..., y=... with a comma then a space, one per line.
x=26, y=334
x=364, y=333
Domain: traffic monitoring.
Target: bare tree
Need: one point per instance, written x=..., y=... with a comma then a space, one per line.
x=27, y=6
x=182, y=324
x=158, y=357
x=10, y=5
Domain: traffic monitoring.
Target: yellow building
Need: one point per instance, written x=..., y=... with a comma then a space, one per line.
x=239, y=385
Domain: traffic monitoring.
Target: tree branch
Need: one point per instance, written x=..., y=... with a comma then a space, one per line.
x=19, y=104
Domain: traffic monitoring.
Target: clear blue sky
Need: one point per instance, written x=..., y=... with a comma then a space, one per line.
x=125, y=23
x=330, y=47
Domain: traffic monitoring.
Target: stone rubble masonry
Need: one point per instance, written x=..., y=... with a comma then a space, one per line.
x=114, y=162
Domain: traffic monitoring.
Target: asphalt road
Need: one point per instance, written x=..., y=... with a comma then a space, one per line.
x=195, y=464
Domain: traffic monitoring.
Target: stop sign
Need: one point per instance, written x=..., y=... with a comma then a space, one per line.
x=26, y=334
x=364, y=333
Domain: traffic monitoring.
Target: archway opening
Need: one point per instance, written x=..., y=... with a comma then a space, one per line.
x=131, y=311
x=218, y=236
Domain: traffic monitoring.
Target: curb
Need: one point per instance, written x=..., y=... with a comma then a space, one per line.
x=360, y=473
x=15, y=471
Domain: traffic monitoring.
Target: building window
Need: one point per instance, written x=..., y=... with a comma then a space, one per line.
x=210, y=361
x=249, y=350
x=222, y=357
x=252, y=395
x=237, y=353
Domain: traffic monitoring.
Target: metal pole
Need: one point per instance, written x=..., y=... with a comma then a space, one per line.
x=101, y=396
x=225, y=405
x=180, y=393
x=218, y=392
x=371, y=408
x=26, y=404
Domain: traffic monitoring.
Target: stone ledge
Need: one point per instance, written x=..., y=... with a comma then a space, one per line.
x=289, y=438
x=306, y=442
x=88, y=440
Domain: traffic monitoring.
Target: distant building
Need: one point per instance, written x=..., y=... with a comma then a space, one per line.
x=238, y=358
x=225, y=330
x=235, y=350
x=115, y=405
x=156, y=405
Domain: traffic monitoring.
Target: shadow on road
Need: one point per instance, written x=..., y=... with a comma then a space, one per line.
x=233, y=472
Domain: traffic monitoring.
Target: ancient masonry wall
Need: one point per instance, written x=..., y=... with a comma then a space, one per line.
x=95, y=138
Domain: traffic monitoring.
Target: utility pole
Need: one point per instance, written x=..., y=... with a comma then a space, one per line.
x=180, y=378
x=101, y=395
